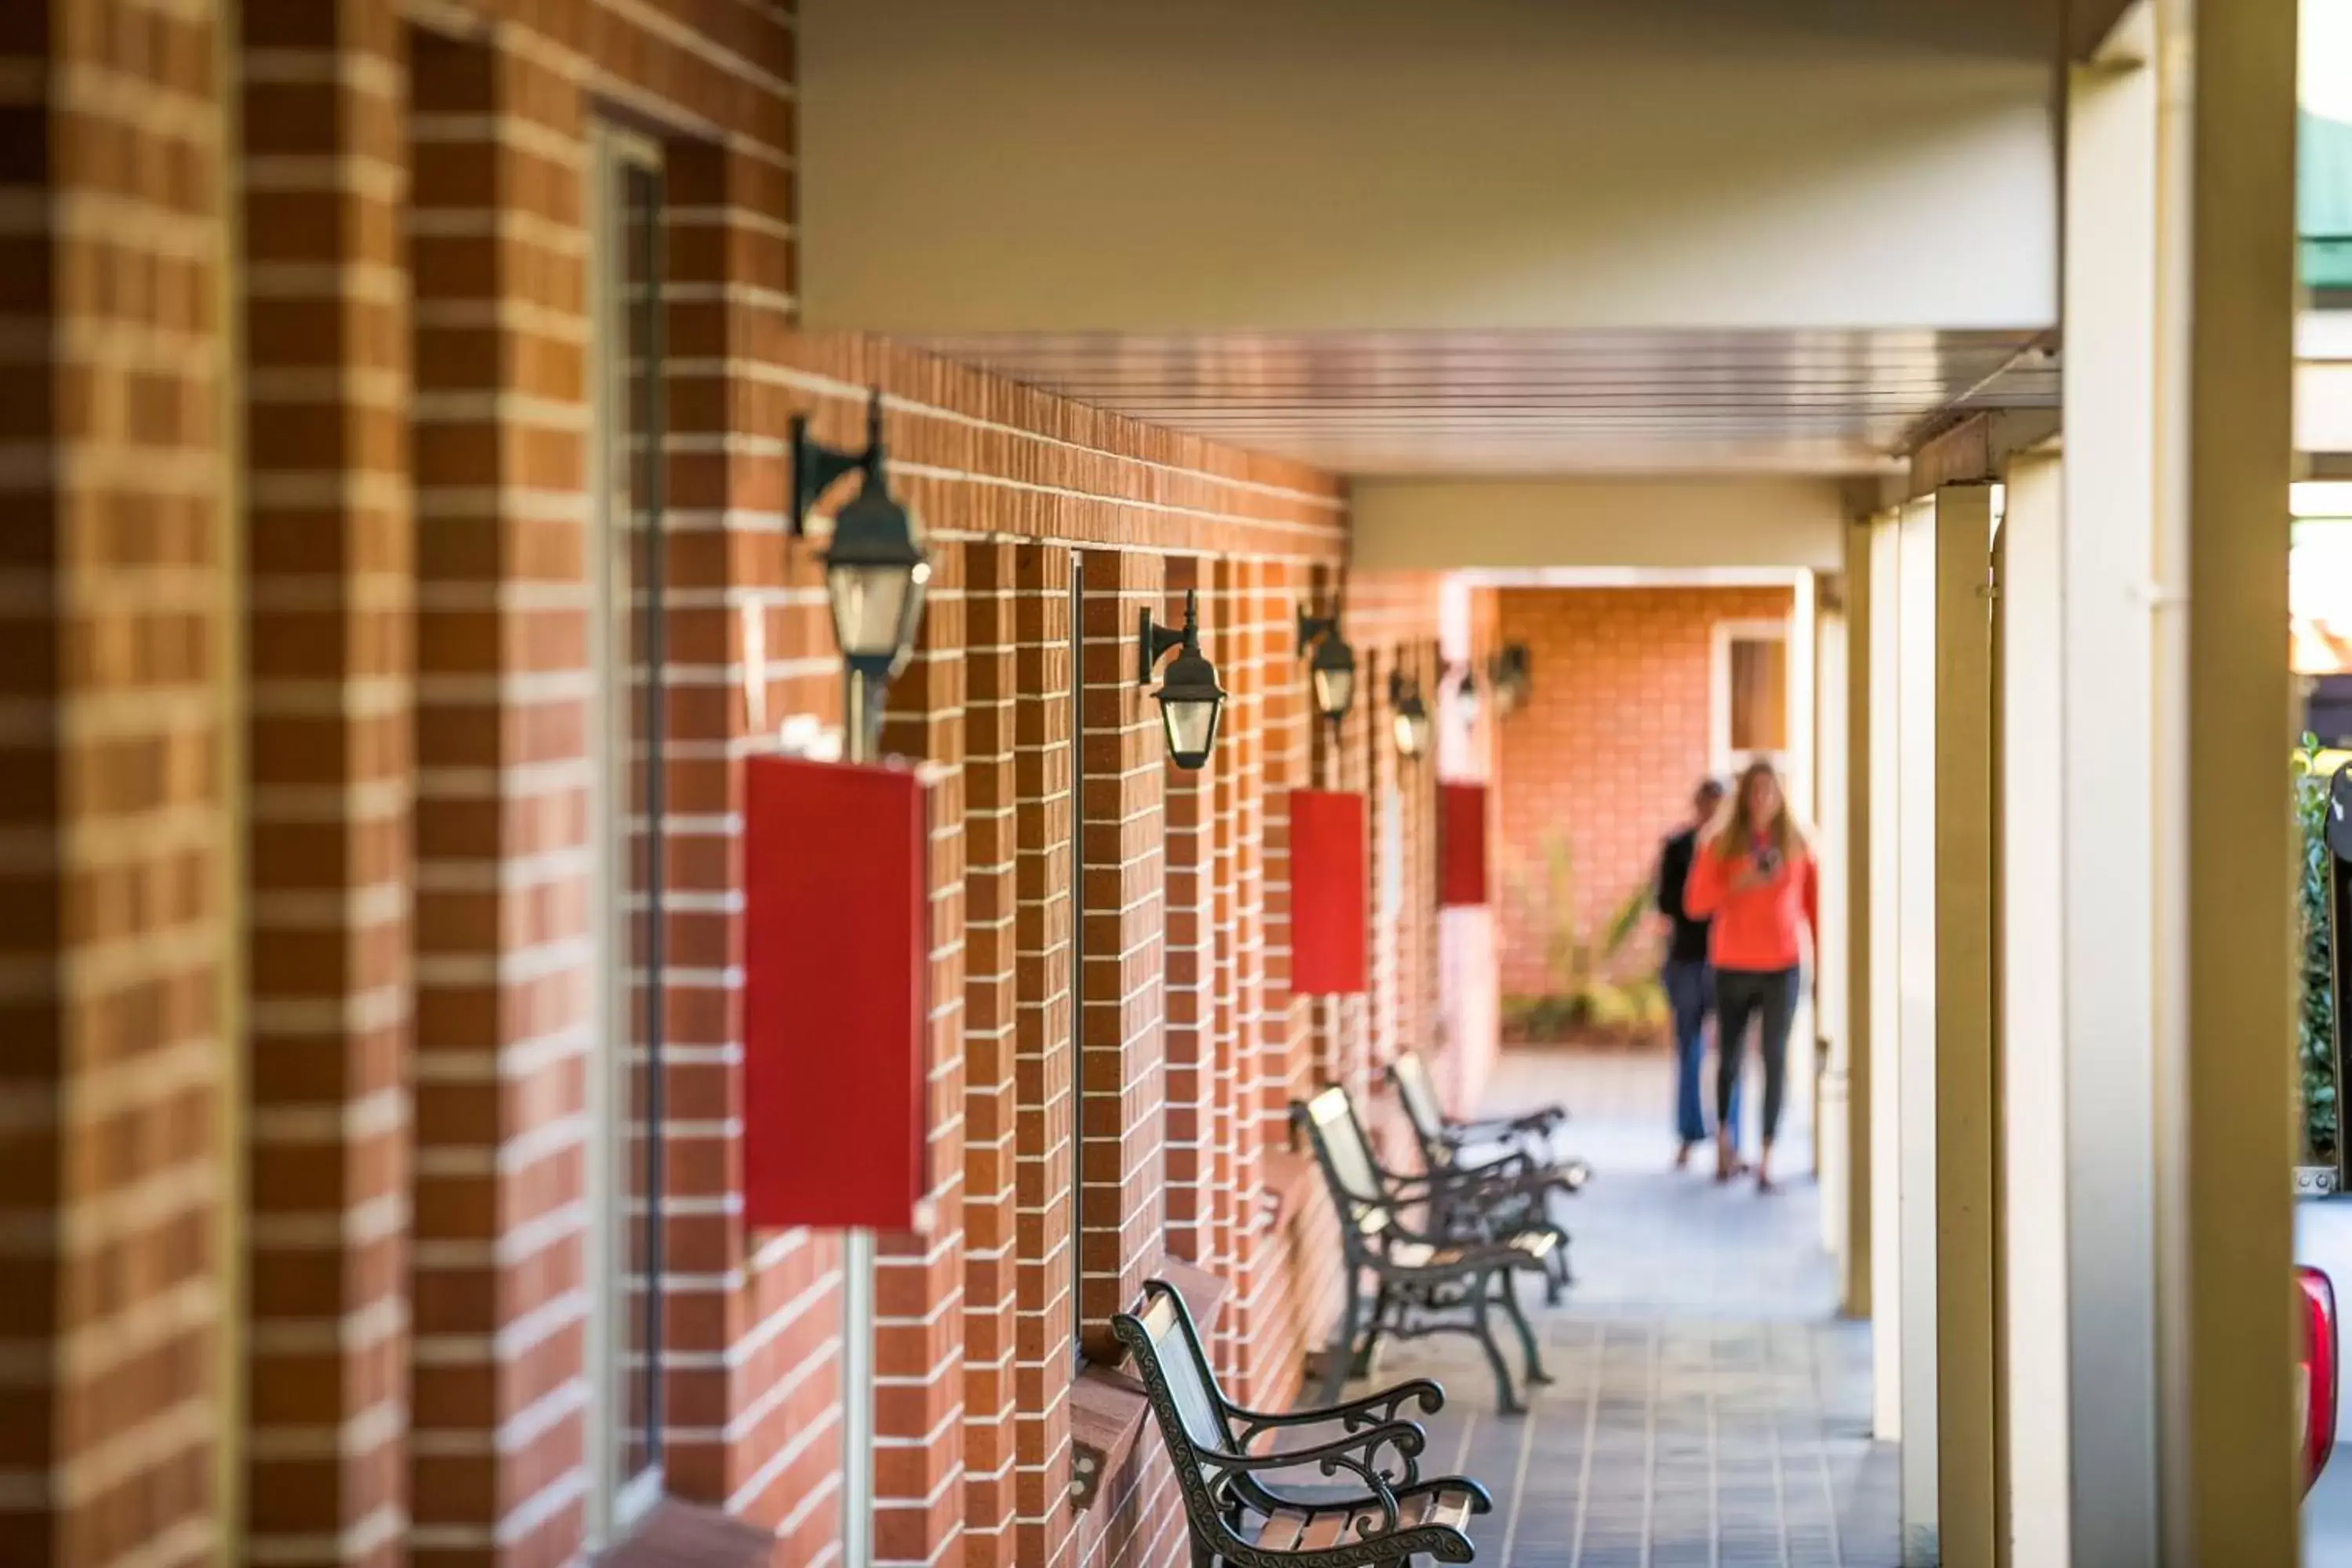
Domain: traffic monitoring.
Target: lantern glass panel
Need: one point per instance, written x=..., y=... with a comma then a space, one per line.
x=1191, y=725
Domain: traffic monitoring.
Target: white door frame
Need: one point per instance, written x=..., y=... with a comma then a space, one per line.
x=614, y=1504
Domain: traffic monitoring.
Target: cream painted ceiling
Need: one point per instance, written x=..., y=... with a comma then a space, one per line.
x=1523, y=403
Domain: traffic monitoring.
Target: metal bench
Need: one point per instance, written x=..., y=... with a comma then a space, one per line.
x=1426, y=1281
x=1237, y=1519
x=1513, y=1184
x=1447, y=1141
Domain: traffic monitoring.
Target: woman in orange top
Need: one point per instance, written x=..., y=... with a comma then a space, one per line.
x=1755, y=877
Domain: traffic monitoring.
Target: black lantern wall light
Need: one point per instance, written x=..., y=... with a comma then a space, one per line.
x=1190, y=700
x=1331, y=663
x=1409, y=715
x=1465, y=695
x=1508, y=674
x=874, y=570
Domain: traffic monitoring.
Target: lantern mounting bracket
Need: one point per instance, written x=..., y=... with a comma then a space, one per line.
x=1153, y=641
x=816, y=467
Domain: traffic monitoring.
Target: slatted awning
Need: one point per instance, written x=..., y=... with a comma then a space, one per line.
x=1573, y=401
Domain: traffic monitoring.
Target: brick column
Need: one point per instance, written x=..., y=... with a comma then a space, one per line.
x=1416, y=1024
x=1288, y=726
x=1243, y=637
x=1393, y=782
x=507, y=811
x=1352, y=757
x=991, y=1208
x=1190, y=1158
x=752, y=1341
x=919, y=1507
x=1121, y=1091
x=1044, y=1054
x=331, y=557
x=114, y=826
x=1298, y=1263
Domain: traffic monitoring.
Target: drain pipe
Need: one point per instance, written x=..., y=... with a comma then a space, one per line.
x=861, y=738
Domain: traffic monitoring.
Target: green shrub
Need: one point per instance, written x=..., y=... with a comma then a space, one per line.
x=1597, y=978
x=2315, y=1021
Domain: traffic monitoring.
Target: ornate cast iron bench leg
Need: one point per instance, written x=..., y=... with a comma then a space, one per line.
x=1340, y=1356
x=1382, y=1304
x=1536, y=1373
x=1482, y=1293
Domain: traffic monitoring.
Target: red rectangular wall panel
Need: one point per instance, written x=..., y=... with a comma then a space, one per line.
x=1329, y=882
x=836, y=954
x=1461, y=844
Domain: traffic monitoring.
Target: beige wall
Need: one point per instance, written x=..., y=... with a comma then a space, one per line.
x=1077, y=166
x=1448, y=525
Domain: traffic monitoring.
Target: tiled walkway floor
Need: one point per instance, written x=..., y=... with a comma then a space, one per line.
x=1710, y=1410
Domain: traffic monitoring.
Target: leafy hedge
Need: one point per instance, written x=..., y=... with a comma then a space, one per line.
x=2315, y=1023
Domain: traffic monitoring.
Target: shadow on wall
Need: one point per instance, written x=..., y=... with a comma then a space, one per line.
x=1601, y=975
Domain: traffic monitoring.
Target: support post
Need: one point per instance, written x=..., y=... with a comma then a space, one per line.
x=2107, y=828
x=1966, y=1269
x=1882, y=1005
x=2177, y=850
x=2033, y=1037
x=1833, y=1114
x=1914, y=964
x=2226, y=855
x=1855, y=845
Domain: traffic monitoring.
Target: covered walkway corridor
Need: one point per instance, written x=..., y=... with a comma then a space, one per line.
x=709, y=707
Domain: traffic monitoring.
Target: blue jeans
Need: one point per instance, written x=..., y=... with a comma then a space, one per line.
x=1690, y=993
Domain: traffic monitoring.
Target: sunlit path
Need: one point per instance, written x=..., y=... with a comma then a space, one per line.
x=1709, y=1407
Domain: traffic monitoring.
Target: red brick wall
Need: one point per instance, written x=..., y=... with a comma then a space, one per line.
x=1607, y=749
x=114, y=849
x=419, y=713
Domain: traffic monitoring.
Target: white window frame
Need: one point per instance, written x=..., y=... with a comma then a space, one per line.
x=614, y=1504
x=1721, y=756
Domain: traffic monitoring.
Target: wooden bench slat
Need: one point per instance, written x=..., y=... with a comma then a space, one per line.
x=1315, y=1529
x=1282, y=1530
x=1327, y=1529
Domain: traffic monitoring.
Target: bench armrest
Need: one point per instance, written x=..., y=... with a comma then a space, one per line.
x=1511, y=1164
x=1497, y=1129
x=1489, y=1182
x=1358, y=1454
x=1378, y=1409
x=1398, y=1227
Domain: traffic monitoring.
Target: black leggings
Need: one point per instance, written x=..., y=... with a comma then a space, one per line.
x=1741, y=994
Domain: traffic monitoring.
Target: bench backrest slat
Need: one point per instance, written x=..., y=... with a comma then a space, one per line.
x=1187, y=1379
x=1348, y=1160
x=1419, y=1096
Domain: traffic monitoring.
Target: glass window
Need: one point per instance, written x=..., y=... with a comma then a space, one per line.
x=627, y=641
x=1751, y=704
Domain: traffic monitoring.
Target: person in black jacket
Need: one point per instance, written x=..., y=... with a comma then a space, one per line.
x=1688, y=984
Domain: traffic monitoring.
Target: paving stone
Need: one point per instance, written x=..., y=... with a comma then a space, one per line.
x=1709, y=1407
